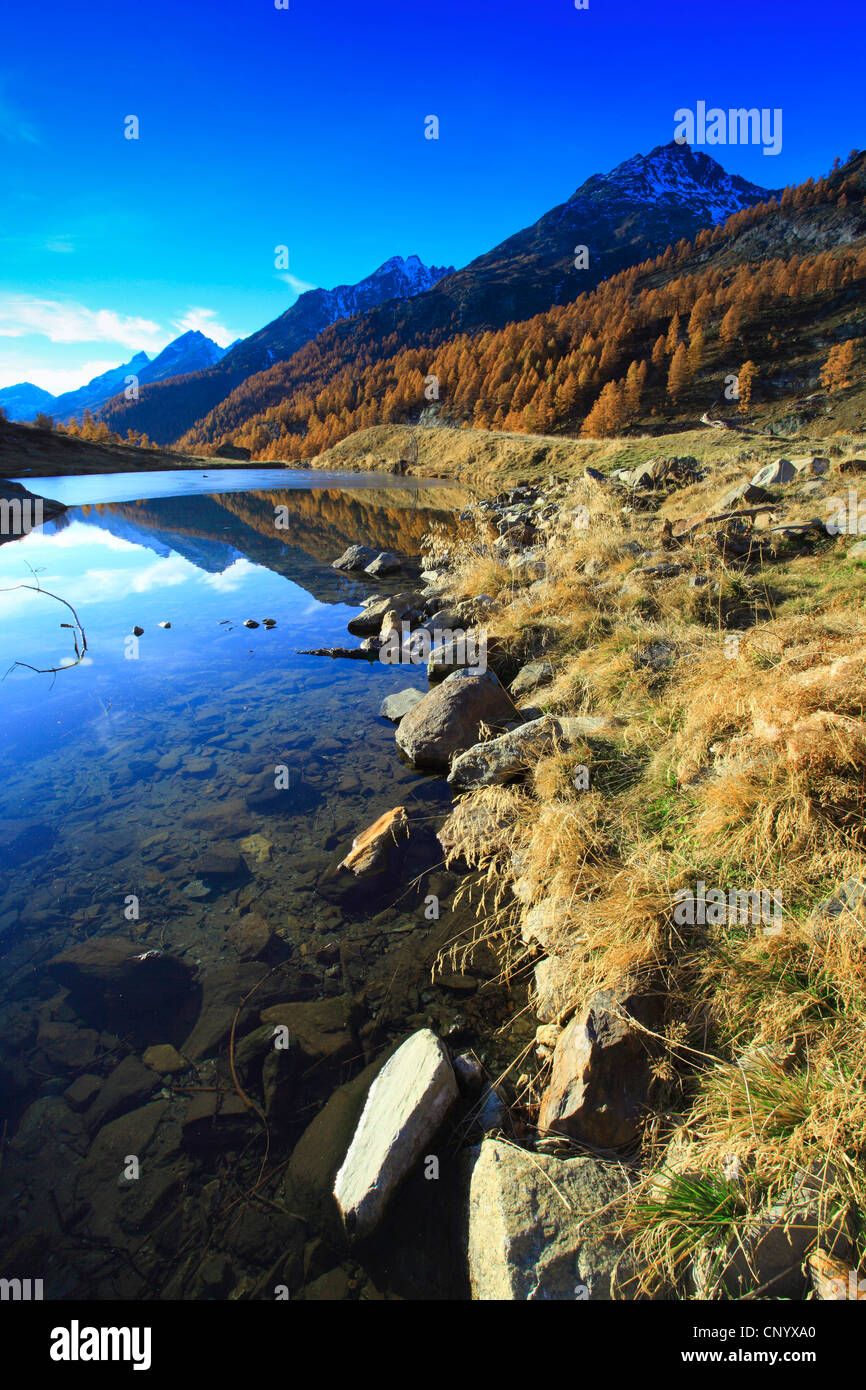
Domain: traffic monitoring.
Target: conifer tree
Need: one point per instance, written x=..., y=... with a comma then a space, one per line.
x=679, y=375
x=836, y=372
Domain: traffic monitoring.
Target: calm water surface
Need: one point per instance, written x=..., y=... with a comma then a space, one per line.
x=118, y=777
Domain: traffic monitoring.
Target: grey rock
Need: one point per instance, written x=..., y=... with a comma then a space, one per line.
x=448, y=719
x=553, y=989
x=356, y=557
x=745, y=492
x=394, y=707
x=534, y=1233
x=504, y=758
x=770, y=1253
x=368, y=622
x=384, y=563
x=530, y=677
x=772, y=474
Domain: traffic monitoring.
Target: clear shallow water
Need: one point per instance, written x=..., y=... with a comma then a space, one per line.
x=118, y=774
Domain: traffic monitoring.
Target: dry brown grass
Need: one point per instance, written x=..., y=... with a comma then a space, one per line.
x=740, y=764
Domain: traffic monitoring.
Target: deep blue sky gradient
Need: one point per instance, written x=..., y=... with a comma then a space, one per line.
x=306, y=127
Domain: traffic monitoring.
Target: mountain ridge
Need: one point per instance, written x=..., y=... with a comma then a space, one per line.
x=525, y=274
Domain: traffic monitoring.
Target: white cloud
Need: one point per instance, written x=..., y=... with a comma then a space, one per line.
x=232, y=578
x=203, y=321
x=295, y=285
x=74, y=323
x=53, y=379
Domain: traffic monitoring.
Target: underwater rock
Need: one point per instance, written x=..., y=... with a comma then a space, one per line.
x=373, y=864
x=164, y=1058
x=112, y=982
x=322, y=1030
x=395, y=707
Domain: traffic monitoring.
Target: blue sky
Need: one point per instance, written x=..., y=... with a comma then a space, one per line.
x=305, y=127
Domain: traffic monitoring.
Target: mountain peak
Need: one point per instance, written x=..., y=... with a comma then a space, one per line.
x=673, y=175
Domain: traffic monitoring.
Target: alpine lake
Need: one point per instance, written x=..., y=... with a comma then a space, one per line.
x=172, y=801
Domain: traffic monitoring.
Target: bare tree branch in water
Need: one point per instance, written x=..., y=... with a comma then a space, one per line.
x=76, y=629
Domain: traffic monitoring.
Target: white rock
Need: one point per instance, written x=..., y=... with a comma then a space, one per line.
x=405, y=1106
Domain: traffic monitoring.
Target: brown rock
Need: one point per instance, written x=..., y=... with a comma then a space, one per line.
x=322, y=1029
x=165, y=1059
x=601, y=1070
x=251, y=936
x=370, y=849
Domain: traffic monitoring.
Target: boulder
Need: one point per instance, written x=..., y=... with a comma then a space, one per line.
x=541, y=923
x=322, y=1030
x=769, y=1253
x=448, y=719
x=473, y=831
x=811, y=465
x=217, y=1120
x=222, y=992
x=405, y=1107
x=773, y=474
x=220, y=863
x=113, y=983
x=267, y=798
x=534, y=1229
x=744, y=493
x=165, y=1059
x=510, y=755
x=368, y=622
x=600, y=1079
x=395, y=707
x=251, y=937
x=319, y=1153
x=529, y=678
x=464, y=651
x=372, y=865
x=553, y=989
x=127, y=1087
x=356, y=557
x=384, y=563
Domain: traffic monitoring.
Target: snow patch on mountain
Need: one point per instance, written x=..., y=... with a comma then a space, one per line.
x=675, y=175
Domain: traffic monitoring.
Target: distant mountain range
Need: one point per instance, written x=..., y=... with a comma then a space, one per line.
x=623, y=217
x=316, y=310
x=628, y=215
x=191, y=352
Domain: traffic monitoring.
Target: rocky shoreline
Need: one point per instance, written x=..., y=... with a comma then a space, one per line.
x=347, y=1058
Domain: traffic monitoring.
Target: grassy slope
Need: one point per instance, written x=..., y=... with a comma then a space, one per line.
x=488, y=458
x=28, y=452
x=742, y=763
